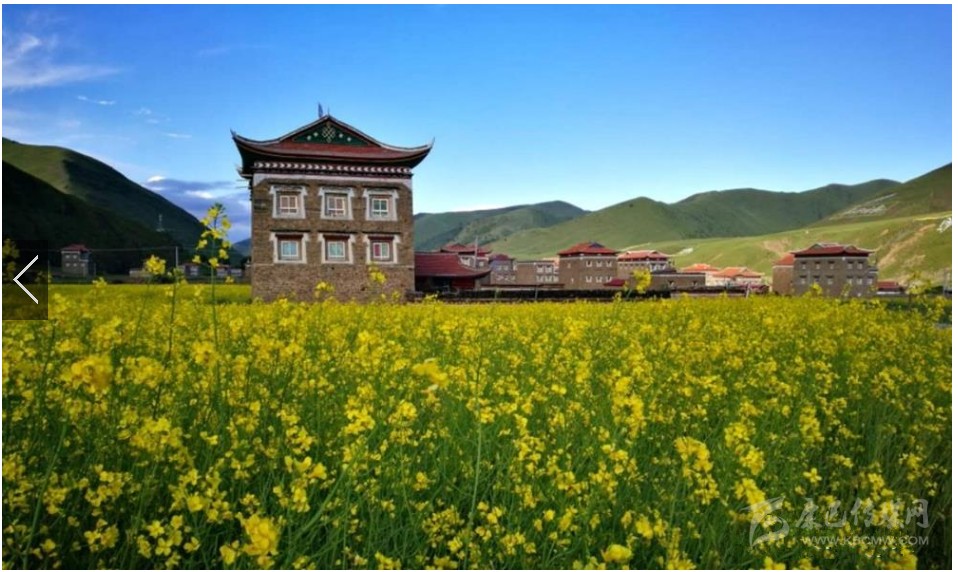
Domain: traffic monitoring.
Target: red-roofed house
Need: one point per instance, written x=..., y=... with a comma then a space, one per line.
x=838, y=269
x=502, y=270
x=537, y=273
x=650, y=260
x=889, y=288
x=445, y=272
x=471, y=255
x=782, y=275
x=587, y=266
x=328, y=202
x=738, y=276
x=707, y=271
x=75, y=260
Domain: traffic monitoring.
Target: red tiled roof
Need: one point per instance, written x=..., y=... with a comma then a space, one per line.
x=832, y=249
x=643, y=255
x=787, y=260
x=372, y=152
x=499, y=256
x=444, y=265
x=590, y=248
x=889, y=285
x=615, y=283
x=463, y=249
x=75, y=248
x=699, y=267
x=737, y=272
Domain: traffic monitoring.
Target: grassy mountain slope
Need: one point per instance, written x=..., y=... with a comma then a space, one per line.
x=100, y=185
x=435, y=229
x=737, y=212
x=929, y=193
x=33, y=209
x=903, y=245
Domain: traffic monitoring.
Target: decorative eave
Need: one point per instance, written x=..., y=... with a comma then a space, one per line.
x=286, y=167
x=326, y=141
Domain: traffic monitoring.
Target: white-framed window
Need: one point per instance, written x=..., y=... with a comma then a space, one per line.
x=336, y=206
x=588, y=263
x=588, y=278
x=381, y=204
x=289, y=248
x=288, y=201
x=381, y=249
x=336, y=250
x=336, y=203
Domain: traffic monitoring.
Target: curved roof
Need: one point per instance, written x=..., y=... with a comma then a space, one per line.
x=832, y=249
x=327, y=140
x=587, y=248
x=639, y=255
x=445, y=265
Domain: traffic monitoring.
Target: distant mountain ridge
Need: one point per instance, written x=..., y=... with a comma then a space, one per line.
x=433, y=230
x=97, y=184
x=734, y=212
x=33, y=209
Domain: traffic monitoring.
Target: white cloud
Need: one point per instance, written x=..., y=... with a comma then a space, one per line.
x=31, y=61
x=96, y=101
x=178, y=135
x=155, y=179
x=201, y=195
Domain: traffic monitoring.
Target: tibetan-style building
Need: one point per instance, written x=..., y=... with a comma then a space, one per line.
x=329, y=203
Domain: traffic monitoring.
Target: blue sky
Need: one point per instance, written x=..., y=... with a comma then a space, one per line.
x=591, y=105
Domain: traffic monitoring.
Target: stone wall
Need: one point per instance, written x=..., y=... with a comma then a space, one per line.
x=272, y=279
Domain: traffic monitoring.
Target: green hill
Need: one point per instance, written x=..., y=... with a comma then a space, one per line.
x=433, y=230
x=33, y=209
x=736, y=212
x=929, y=193
x=902, y=245
x=99, y=185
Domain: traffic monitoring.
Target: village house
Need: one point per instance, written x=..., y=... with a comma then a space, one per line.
x=473, y=256
x=502, y=270
x=75, y=260
x=329, y=203
x=738, y=276
x=537, y=273
x=671, y=279
x=838, y=269
x=782, y=272
x=445, y=272
x=707, y=270
x=587, y=266
x=651, y=260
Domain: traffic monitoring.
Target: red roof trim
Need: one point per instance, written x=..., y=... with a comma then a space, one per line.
x=832, y=250
x=444, y=265
x=588, y=248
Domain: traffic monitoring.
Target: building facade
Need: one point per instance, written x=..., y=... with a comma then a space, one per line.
x=329, y=204
x=782, y=275
x=75, y=260
x=537, y=273
x=838, y=269
x=587, y=266
x=651, y=260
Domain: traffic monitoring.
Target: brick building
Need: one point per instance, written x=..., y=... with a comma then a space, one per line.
x=782, y=275
x=445, y=272
x=75, y=260
x=587, y=266
x=328, y=203
x=651, y=260
x=838, y=269
x=537, y=273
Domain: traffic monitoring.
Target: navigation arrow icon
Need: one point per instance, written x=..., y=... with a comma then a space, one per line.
x=22, y=287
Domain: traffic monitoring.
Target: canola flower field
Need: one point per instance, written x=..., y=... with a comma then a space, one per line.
x=145, y=426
